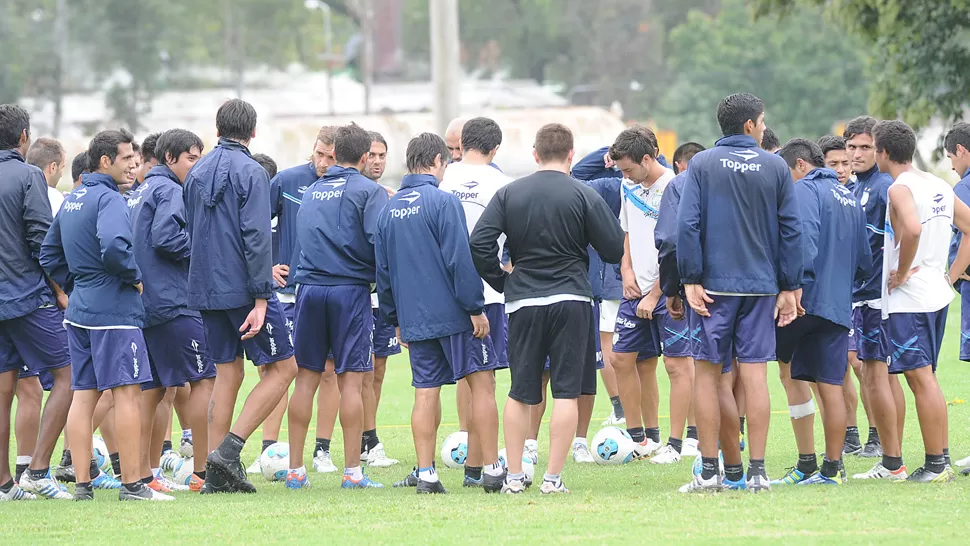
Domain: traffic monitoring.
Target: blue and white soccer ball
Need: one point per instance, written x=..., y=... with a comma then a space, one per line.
x=612, y=445
x=528, y=463
x=698, y=464
x=182, y=473
x=454, y=450
x=275, y=461
x=100, y=453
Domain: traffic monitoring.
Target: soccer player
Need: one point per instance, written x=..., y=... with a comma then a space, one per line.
x=741, y=197
x=547, y=295
x=148, y=159
x=642, y=316
x=32, y=340
x=386, y=343
x=814, y=348
x=267, y=163
x=79, y=166
x=48, y=155
x=89, y=244
x=436, y=302
x=881, y=389
x=769, y=141
x=453, y=139
x=682, y=156
x=957, y=146
x=916, y=287
x=336, y=227
x=231, y=282
x=475, y=183
x=836, y=158
x=177, y=348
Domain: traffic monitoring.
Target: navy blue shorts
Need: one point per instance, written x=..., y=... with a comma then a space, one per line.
x=676, y=335
x=334, y=320
x=105, y=359
x=816, y=348
x=871, y=342
x=178, y=353
x=443, y=361
x=271, y=344
x=739, y=326
x=853, y=334
x=34, y=343
x=965, y=321
x=498, y=333
x=289, y=312
x=915, y=340
x=385, y=337
x=636, y=335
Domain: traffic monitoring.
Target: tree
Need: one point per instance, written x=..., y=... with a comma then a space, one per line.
x=920, y=65
x=807, y=73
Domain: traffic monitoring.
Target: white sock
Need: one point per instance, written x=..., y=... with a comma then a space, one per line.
x=156, y=471
x=355, y=473
x=24, y=459
x=187, y=433
x=299, y=471
x=532, y=444
x=427, y=474
x=552, y=478
x=580, y=440
x=495, y=469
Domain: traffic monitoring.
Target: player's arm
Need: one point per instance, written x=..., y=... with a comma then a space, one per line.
x=961, y=219
x=791, y=260
x=863, y=250
x=275, y=197
x=376, y=200
x=37, y=212
x=457, y=257
x=52, y=257
x=603, y=231
x=169, y=237
x=907, y=229
x=483, y=241
x=665, y=239
x=254, y=220
x=114, y=238
x=591, y=165
x=808, y=204
x=385, y=295
x=690, y=248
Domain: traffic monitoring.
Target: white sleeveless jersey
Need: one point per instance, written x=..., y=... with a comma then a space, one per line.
x=475, y=185
x=927, y=290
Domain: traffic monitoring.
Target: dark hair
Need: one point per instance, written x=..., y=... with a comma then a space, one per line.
x=267, y=163
x=422, y=151
x=43, y=152
x=959, y=134
x=175, y=142
x=106, y=143
x=481, y=134
x=135, y=147
x=236, y=120
x=377, y=137
x=862, y=125
x=79, y=166
x=14, y=120
x=896, y=138
x=634, y=143
x=830, y=143
x=554, y=141
x=806, y=150
x=769, y=140
x=148, y=147
x=685, y=152
x=351, y=143
x=327, y=134
x=735, y=110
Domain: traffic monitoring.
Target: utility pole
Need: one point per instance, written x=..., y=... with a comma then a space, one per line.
x=328, y=44
x=233, y=46
x=60, y=45
x=367, y=50
x=445, y=50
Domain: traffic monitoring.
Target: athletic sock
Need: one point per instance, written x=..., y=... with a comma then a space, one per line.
x=617, y=407
x=873, y=435
x=23, y=462
x=323, y=444
x=756, y=467
x=369, y=439
x=266, y=444
x=94, y=470
x=5, y=488
x=147, y=480
x=892, y=463
x=355, y=473
x=428, y=474
x=39, y=474
x=82, y=485
x=201, y=475
x=231, y=446
x=637, y=434
x=829, y=468
x=946, y=456
x=708, y=467
x=115, y=464
x=852, y=433
x=473, y=472
x=66, y=458
x=935, y=463
x=653, y=433
x=692, y=433
x=515, y=477
x=734, y=472
x=187, y=434
x=807, y=463
x=131, y=487
x=555, y=479
x=675, y=443
x=742, y=424
x=166, y=446
x=495, y=469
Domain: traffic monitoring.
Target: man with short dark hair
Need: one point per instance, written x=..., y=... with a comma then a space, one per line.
x=148, y=159
x=916, y=284
x=683, y=154
x=79, y=166
x=769, y=141
x=836, y=158
x=231, y=283
x=267, y=163
x=436, y=302
x=736, y=295
x=32, y=339
x=48, y=155
x=90, y=244
x=814, y=347
x=336, y=227
x=547, y=294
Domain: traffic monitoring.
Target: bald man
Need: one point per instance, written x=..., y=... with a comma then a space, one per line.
x=453, y=138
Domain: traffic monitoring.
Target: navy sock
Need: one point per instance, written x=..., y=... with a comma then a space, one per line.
x=852, y=432
x=5, y=488
x=830, y=468
x=115, y=464
x=66, y=458
x=692, y=433
x=807, y=463
x=873, y=435
x=39, y=474
x=146, y=481
x=166, y=446
x=742, y=424
x=266, y=444
x=21, y=468
x=131, y=487
x=653, y=433
x=935, y=463
x=756, y=467
x=369, y=439
x=708, y=467
x=94, y=470
x=231, y=446
x=473, y=472
x=892, y=463
x=201, y=475
x=675, y=443
x=946, y=456
x=617, y=407
x=637, y=434
x=734, y=472
x=323, y=444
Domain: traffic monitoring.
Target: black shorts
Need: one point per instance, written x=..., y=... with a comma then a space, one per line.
x=564, y=332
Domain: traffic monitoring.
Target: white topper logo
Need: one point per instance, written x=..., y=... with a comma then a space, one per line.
x=269, y=329
x=195, y=345
x=746, y=155
x=134, y=359
x=411, y=197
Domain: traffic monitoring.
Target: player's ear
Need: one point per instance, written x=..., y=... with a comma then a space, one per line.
x=535, y=155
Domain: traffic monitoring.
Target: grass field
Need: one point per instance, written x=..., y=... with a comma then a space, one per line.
x=635, y=503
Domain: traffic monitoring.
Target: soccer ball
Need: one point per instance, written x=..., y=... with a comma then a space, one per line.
x=502, y=459
x=275, y=461
x=182, y=473
x=612, y=445
x=100, y=453
x=454, y=450
x=528, y=463
x=699, y=464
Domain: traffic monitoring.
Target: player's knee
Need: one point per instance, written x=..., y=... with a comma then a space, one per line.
x=29, y=392
x=284, y=370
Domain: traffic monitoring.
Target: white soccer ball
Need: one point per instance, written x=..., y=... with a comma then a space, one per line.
x=100, y=453
x=275, y=461
x=502, y=459
x=182, y=473
x=454, y=450
x=612, y=445
x=528, y=462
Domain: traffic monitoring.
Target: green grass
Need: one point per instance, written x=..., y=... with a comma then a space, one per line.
x=632, y=503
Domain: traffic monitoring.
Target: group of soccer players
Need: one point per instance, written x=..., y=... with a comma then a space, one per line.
x=146, y=287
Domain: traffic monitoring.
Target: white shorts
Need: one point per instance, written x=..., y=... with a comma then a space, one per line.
x=609, y=309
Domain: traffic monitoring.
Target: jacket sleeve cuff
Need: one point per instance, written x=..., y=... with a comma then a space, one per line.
x=262, y=291
x=789, y=287
x=690, y=280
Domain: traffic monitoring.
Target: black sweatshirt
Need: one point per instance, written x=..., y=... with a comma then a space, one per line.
x=549, y=219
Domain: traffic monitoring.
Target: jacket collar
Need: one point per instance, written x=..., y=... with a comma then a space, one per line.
x=162, y=171
x=96, y=179
x=866, y=175
x=737, y=141
x=821, y=172
x=8, y=155
x=233, y=145
x=337, y=171
x=966, y=174
x=415, y=180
